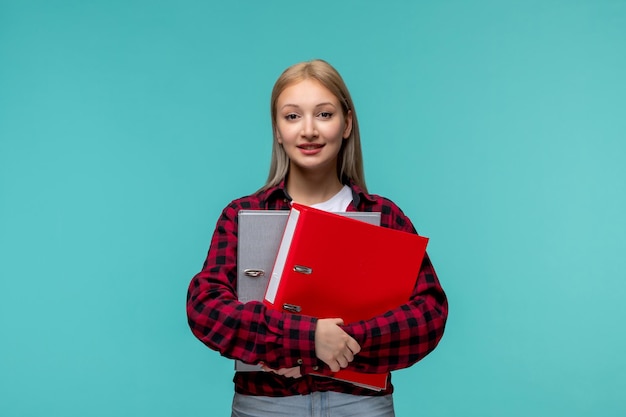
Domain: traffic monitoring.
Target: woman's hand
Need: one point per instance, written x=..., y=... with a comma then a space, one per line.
x=333, y=345
x=286, y=372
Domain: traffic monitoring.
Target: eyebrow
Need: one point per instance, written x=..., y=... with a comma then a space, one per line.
x=326, y=103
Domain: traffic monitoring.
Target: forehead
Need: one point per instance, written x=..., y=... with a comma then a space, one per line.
x=306, y=92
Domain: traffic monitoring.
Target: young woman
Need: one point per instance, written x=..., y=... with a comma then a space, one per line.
x=316, y=161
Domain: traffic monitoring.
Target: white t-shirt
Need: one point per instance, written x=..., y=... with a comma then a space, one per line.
x=337, y=203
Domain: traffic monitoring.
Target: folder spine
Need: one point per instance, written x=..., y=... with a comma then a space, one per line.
x=281, y=256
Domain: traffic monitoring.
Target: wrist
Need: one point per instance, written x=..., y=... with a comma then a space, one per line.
x=299, y=342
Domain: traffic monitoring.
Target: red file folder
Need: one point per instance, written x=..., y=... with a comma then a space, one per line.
x=331, y=266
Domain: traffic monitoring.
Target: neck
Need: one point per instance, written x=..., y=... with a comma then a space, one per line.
x=309, y=189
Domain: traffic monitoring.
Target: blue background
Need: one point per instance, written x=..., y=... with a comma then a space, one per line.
x=126, y=126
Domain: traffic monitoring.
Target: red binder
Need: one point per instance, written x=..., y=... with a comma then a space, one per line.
x=331, y=266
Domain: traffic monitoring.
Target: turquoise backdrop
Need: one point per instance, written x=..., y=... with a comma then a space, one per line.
x=499, y=127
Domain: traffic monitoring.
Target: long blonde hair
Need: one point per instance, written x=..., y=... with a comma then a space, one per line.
x=350, y=159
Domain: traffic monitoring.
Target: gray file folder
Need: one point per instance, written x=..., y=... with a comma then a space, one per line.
x=259, y=236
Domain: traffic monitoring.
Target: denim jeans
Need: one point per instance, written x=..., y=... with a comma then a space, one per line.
x=317, y=404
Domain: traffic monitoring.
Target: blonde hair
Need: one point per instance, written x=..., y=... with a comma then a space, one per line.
x=350, y=159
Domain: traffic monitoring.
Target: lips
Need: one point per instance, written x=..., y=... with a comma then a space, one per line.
x=311, y=146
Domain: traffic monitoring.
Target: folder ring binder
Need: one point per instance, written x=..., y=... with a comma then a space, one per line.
x=302, y=269
x=254, y=273
x=292, y=308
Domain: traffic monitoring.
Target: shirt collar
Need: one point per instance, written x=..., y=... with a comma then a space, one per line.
x=279, y=191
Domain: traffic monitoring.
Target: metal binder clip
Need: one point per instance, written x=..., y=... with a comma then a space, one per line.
x=253, y=273
x=302, y=269
x=291, y=308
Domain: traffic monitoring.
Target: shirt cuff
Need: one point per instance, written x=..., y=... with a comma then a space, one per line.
x=299, y=342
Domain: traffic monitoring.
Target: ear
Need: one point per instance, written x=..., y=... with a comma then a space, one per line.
x=348, y=129
x=277, y=136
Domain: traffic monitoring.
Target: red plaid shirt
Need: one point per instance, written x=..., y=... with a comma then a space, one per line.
x=252, y=333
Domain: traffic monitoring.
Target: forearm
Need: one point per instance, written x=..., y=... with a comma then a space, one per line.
x=248, y=331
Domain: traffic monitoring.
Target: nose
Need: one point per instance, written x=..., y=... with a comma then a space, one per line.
x=309, y=130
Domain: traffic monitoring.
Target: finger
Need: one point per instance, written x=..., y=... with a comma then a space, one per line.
x=334, y=366
x=354, y=346
x=342, y=361
x=338, y=322
x=293, y=373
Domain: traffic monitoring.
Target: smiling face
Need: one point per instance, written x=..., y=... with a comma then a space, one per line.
x=311, y=127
